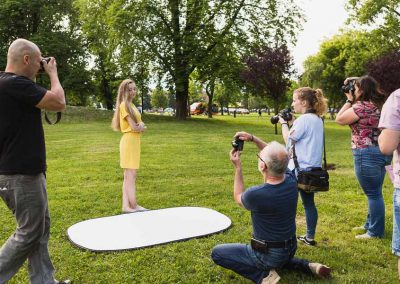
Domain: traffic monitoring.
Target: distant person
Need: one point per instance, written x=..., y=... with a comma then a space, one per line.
x=307, y=136
x=23, y=160
x=389, y=142
x=273, y=206
x=234, y=113
x=128, y=120
x=259, y=113
x=361, y=112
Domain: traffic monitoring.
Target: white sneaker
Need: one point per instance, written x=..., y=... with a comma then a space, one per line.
x=365, y=237
x=272, y=278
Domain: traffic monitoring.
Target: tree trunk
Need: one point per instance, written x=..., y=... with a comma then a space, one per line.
x=210, y=94
x=182, y=91
x=276, y=108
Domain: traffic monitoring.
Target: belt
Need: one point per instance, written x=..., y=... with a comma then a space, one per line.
x=263, y=246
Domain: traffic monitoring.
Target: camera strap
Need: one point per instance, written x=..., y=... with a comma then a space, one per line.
x=296, y=163
x=58, y=118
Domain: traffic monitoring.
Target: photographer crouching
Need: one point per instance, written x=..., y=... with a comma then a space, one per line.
x=273, y=206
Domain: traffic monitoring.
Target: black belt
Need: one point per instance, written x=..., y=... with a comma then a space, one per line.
x=263, y=246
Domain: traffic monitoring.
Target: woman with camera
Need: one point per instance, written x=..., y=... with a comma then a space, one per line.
x=307, y=134
x=361, y=112
x=128, y=120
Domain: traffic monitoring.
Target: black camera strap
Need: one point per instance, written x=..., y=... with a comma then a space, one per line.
x=296, y=163
x=58, y=118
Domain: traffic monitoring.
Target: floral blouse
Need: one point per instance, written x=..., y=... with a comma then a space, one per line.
x=365, y=131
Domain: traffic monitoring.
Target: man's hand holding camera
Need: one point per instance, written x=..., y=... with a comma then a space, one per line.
x=234, y=156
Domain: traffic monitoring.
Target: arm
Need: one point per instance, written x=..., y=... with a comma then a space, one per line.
x=139, y=127
x=388, y=141
x=238, y=185
x=346, y=115
x=54, y=99
x=248, y=137
x=285, y=128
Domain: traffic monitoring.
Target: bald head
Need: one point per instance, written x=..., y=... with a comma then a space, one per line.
x=276, y=158
x=19, y=48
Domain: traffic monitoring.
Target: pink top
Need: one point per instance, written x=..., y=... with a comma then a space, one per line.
x=390, y=119
x=365, y=131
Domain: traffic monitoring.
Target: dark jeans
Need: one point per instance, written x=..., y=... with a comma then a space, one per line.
x=310, y=211
x=254, y=265
x=369, y=166
x=26, y=197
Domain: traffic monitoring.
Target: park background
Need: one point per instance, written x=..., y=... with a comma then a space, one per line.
x=234, y=54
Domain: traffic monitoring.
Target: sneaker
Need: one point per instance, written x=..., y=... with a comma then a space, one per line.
x=272, y=278
x=320, y=270
x=63, y=281
x=306, y=240
x=364, y=237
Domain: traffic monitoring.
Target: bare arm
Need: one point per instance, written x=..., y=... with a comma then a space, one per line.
x=138, y=127
x=346, y=115
x=388, y=141
x=248, y=137
x=54, y=99
x=238, y=185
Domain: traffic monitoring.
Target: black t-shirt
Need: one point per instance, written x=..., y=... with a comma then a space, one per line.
x=273, y=209
x=22, y=146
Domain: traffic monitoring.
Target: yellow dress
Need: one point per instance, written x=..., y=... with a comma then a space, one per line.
x=129, y=146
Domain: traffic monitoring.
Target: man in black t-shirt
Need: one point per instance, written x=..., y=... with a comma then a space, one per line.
x=273, y=206
x=23, y=160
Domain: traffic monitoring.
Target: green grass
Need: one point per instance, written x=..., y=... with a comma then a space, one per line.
x=187, y=164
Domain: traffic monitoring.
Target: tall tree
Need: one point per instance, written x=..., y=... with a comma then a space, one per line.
x=386, y=70
x=180, y=35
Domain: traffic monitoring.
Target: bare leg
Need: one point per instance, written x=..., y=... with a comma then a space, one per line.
x=129, y=191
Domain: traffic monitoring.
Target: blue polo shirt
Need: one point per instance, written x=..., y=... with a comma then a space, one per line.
x=273, y=209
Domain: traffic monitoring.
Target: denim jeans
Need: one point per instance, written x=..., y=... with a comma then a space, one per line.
x=396, y=222
x=26, y=197
x=369, y=166
x=254, y=265
x=310, y=211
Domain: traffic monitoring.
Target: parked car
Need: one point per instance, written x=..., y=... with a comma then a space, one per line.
x=169, y=110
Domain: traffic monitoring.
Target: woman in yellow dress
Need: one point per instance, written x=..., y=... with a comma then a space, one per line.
x=128, y=120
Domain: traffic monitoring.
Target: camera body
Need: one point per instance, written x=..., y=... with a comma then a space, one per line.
x=349, y=87
x=47, y=59
x=286, y=114
x=238, y=144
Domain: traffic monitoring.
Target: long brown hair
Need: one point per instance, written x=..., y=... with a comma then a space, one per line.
x=123, y=96
x=314, y=98
x=370, y=91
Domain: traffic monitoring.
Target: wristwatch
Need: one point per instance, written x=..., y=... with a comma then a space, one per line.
x=349, y=101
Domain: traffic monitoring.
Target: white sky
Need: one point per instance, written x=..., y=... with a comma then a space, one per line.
x=324, y=19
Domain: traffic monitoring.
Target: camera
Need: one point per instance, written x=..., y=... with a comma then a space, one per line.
x=286, y=114
x=237, y=144
x=47, y=59
x=349, y=87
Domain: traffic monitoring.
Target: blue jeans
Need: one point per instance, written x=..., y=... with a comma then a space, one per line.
x=254, y=265
x=26, y=197
x=369, y=166
x=396, y=222
x=310, y=210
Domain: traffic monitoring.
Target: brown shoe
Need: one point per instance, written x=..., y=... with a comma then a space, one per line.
x=320, y=270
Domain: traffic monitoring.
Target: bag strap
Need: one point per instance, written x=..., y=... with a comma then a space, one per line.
x=58, y=118
x=296, y=163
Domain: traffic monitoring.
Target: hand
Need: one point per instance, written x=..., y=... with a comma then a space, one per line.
x=235, y=158
x=51, y=67
x=243, y=136
x=349, y=96
x=350, y=79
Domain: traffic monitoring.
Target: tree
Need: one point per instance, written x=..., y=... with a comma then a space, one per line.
x=267, y=74
x=159, y=98
x=180, y=35
x=386, y=70
x=383, y=13
x=56, y=34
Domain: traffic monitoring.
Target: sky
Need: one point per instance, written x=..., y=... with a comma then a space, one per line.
x=324, y=19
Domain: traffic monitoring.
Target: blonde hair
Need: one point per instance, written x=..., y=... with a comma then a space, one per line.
x=123, y=97
x=314, y=98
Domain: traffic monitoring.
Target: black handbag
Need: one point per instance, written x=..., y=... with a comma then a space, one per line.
x=316, y=179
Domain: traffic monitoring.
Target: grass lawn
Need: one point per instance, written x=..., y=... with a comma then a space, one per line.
x=187, y=164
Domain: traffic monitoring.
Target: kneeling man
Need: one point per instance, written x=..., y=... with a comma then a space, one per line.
x=273, y=206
